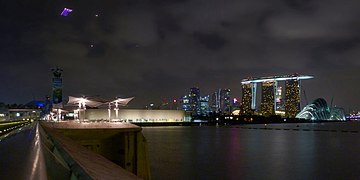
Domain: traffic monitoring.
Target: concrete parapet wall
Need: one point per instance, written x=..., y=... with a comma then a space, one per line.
x=97, y=153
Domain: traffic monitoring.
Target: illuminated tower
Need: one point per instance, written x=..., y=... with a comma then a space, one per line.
x=195, y=101
x=267, y=98
x=246, y=98
x=225, y=105
x=204, y=105
x=279, y=99
x=57, y=88
x=220, y=101
x=270, y=96
x=185, y=103
x=292, y=97
x=215, y=102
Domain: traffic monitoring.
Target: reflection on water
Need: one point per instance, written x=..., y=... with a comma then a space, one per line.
x=282, y=151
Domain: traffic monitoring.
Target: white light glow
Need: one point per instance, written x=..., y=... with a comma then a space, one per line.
x=275, y=78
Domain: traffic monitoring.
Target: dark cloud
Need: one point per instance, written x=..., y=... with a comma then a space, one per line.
x=211, y=41
x=152, y=49
x=301, y=5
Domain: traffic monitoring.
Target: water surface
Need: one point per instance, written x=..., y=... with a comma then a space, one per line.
x=281, y=151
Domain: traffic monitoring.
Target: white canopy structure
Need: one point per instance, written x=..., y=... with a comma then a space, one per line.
x=122, y=102
x=117, y=102
x=83, y=101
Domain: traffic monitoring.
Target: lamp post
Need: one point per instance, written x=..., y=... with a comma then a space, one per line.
x=82, y=107
x=76, y=114
x=120, y=102
x=59, y=114
x=109, y=110
x=116, y=110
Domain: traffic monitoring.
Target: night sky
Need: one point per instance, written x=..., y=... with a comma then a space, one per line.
x=154, y=49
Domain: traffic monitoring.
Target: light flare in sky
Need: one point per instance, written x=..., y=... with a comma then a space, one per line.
x=66, y=12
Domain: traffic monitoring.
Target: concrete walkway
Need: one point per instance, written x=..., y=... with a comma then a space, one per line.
x=21, y=156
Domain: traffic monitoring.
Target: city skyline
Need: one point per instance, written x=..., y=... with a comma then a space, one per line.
x=161, y=48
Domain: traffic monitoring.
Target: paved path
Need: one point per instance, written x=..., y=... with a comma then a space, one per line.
x=20, y=155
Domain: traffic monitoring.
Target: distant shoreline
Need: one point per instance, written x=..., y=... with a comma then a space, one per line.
x=226, y=123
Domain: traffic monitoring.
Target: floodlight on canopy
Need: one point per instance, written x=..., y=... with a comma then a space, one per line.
x=117, y=102
x=122, y=102
x=82, y=101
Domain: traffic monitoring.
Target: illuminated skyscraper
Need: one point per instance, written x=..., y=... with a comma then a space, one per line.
x=195, y=101
x=204, y=105
x=57, y=88
x=292, y=94
x=214, y=102
x=247, y=97
x=267, y=98
x=279, y=99
x=221, y=101
x=235, y=104
x=225, y=104
x=292, y=97
x=185, y=103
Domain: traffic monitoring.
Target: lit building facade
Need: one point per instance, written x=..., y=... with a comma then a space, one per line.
x=279, y=99
x=267, y=98
x=221, y=101
x=185, y=103
x=292, y=98
x=57, y=88
x=139, y=115
x=204, y=106
x=247, y=97
x=279, y=102
x=195, y=101
x=225, y=101
x=235, y=104
x=214, y=102
x=271, y=101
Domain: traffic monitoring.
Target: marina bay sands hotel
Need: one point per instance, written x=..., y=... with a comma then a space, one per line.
x=269, y=93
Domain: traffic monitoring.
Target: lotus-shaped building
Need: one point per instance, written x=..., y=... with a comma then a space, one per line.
x=319, y=110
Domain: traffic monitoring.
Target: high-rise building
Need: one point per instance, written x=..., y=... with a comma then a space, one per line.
x=246, y=99
x=204, y=105
x=267, y=98
x=195, y=101
x=185, y=103
x=57, y=88
x=221, y=102
x=292, y=94
x=292, y=97
x=236, y=104
x=214, y=102
x=279, y=99
x=225, y=101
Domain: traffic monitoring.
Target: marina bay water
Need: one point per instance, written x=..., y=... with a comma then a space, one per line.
x=273, y=151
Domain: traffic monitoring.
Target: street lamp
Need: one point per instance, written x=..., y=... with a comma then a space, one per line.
x=119, y=102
